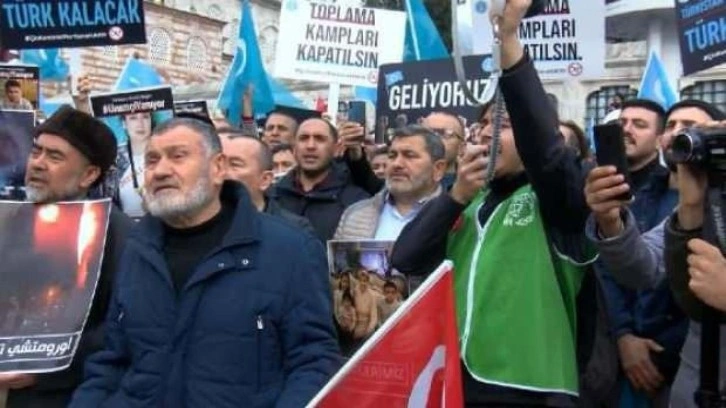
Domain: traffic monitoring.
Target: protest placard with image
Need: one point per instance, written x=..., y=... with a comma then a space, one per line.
x=132, y=115
x=52, y=255
x=366, y=289
x=21, y=87
x=16, y=141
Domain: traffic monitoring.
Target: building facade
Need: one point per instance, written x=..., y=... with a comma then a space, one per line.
x=191, y=42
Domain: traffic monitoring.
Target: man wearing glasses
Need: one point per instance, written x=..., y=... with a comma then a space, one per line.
x=451, y=130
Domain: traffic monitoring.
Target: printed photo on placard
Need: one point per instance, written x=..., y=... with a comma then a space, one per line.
x=132, y=115
x=20, y=86
x=196, y=107
x=16, y=141
x=52, y=256
x=366, y=289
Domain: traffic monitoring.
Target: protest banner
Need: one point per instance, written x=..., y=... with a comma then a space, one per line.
x=26, y=24
x=701, y=33
x=366, y=290
x=410, y=91
x=411, y=361
x=196, y=107
x=566, y=41
x=336, y=43
x=21, y=87
x=52, y=255
x=16, y=140
x=132, y=115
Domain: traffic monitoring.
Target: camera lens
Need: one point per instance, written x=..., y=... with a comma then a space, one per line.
x=682, y=148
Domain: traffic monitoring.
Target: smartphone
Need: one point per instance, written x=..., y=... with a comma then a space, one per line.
x=610, y=151
x=357, y=112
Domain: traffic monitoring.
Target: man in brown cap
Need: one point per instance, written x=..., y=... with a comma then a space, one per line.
x=71, y=154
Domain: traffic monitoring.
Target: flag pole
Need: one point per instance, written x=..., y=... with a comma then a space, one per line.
x=333, y=98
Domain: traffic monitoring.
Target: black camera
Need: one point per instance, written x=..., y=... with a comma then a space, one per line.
x=703, y=147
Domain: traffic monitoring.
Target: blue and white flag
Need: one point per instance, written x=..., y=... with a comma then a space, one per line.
x=49, y=61
x=247, y=68
x=137, y=74
x=655, y=84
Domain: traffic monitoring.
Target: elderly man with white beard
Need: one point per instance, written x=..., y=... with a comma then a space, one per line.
x=206, y=312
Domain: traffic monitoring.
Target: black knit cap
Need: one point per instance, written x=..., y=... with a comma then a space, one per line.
x=84, y=132
x=710, y=109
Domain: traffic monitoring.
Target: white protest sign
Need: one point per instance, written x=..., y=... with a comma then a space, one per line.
x=567, y=41
x=334, y=43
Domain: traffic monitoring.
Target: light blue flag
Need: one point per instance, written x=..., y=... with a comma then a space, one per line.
x=655, y=85
x=283, y=96
x=422, y=42
x=137, y=74
x=247, y=68
x=52, y=67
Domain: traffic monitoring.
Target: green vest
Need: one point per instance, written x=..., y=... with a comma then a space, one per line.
x=516, y=319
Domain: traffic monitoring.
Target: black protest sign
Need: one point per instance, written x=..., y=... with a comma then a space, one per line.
x=16, y=140
x=702, y=34
x=52, y=255
x=408, y=92
x=195, y=107
x=71, y=23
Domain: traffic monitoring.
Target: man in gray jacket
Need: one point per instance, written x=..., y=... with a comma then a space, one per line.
x=637, y=261
x=415, y=168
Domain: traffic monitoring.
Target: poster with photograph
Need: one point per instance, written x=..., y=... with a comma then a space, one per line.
x=195, y=107
x=366, y=289
x=52, y=255
x=20, y=87
x=132, y=115
x=16, y=141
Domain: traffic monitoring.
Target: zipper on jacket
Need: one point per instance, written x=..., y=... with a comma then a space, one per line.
x=258, y=332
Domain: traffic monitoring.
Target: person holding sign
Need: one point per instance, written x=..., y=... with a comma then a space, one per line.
x=206, y=312
x=517, y=244
x=72, y=152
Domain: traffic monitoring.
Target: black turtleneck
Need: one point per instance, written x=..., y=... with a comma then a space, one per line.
x=423, y=247
x=641, y=176
x=185, y=248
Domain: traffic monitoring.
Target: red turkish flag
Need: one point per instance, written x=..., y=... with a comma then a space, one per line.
x=320, y=105
x=412, y=361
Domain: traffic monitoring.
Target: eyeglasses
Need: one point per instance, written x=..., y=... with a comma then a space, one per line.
x=447, y=134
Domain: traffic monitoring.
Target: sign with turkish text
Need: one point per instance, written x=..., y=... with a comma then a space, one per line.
x=28, y=24
x=337, y=43
x=701, y=33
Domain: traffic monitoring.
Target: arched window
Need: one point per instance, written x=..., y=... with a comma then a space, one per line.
x=708, y=91
x=599, y=103
x=197, y=54
x=159, y=46
x=230, y=33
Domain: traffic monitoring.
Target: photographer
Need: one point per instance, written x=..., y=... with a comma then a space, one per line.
x=636, y=261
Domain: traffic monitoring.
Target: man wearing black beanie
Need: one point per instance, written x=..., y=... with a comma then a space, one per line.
x=72, y=152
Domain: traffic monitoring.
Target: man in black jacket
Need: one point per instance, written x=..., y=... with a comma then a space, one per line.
x=71, y=154
x=533, y=161
x=249, y=161
x=317, y=188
